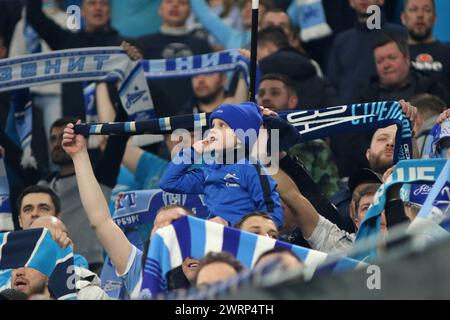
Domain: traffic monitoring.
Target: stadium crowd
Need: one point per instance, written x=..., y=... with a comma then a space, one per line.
x=317, y=199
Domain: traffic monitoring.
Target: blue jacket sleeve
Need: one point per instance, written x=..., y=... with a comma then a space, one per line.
x=214, y=24
x=262, y=189
x=179, y=179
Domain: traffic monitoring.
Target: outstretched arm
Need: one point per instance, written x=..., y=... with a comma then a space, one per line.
x=212, y=22
x=109, y=234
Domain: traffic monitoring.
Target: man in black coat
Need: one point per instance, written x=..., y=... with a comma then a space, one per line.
x=277, y=56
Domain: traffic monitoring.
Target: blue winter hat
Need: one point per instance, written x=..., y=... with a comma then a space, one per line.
x=244, y=116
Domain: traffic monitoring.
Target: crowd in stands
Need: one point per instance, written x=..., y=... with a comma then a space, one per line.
x=316, y=200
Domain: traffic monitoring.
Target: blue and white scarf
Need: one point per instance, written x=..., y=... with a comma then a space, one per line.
x=108, y=63
x=310, y=16
x=436, y=208
x=23, y=115
x=311, y=124
x=36, y=249
x=131, y=92
x=192, y=237
x=405, y=172
x=6, y=222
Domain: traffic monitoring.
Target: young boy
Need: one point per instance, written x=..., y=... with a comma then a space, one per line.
x=232, y=190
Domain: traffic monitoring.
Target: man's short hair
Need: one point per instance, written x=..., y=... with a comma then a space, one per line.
x=274, y=35
x=176, y=206
x=64, y=121
x=277, y=250
x=387, y=37
x=239, y=224
x=40, y=189
x=223, y=257
x=428, y=103
x=369, y=189
x=405, y=4
x=286, y=80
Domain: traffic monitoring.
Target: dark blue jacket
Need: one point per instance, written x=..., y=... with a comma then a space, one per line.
x=352, y=61
x=231, y=190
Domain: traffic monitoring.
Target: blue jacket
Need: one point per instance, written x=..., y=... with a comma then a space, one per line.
x=231, y=190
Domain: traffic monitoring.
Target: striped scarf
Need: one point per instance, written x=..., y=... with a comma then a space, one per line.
x=192, y=237
x=36, y=249
x=311, y=124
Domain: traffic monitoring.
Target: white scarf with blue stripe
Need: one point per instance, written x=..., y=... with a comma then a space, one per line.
x=192, y=237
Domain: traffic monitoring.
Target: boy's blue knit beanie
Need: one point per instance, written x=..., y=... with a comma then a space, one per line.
x=243, y=116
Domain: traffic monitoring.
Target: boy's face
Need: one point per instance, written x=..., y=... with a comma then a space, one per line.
x=221, y=136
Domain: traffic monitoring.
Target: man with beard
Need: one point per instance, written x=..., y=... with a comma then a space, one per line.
x=64, y=184
x=427, y=53
x=30, y=281
x=209, y=92
x=277, y=92
x=381, y=151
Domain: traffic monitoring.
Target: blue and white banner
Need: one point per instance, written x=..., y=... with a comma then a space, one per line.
x=192, y=237
x=36, y=249
x=6, y=221
x=140, y=207
x=405, y=172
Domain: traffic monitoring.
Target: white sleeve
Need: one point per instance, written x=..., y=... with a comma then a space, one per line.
x=328, y=238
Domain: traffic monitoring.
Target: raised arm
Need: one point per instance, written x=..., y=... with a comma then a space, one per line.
x=55, y=36
x=212, y=22
x=179, y=179
x=305, y=214
x=109, y=234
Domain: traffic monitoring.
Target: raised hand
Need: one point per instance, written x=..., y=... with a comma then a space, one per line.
x=443, y=116
x=133, y=52
x=411, y=112
x=73, y=143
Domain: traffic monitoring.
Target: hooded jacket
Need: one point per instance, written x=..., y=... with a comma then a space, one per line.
x=231, y=190
x=313, y=92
